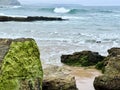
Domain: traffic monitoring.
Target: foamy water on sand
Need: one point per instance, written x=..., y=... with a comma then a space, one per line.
x=85, y=77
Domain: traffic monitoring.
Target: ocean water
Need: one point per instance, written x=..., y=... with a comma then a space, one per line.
x=93, y=28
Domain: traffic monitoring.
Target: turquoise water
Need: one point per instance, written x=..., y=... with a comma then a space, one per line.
x=88, y=28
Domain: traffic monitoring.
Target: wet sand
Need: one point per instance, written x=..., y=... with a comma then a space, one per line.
x=84, y=77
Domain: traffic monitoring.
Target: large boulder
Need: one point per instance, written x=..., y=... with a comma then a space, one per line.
x=20, y=66
x=84, y=58
x=111, y=78
x=58, y=78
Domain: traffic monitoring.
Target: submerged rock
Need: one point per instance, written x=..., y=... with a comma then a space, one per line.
x=111, y=78
x=20, y=66
x=29, y=18
x=58, y=78
x=84, y=58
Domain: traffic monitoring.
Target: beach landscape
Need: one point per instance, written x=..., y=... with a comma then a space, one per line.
x=63, y=29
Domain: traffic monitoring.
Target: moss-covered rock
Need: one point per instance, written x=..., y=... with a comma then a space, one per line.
x=20, y=66
x=100, y=66
x=111, y=78
x=84, y=58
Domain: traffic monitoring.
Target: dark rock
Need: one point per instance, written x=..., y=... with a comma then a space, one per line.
x=84, y=58
x=114, y=51
x=107, y=83
x=111, y=78
x=98, y=41
x=20, y=66
x=29, y=18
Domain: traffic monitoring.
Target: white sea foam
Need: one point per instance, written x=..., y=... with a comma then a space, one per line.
x=61, y=10
x=2, y=14
x=15, y=15
x=72, y=17
x=9, y=6
x=15, y=6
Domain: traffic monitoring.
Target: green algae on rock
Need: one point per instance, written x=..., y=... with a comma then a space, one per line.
x=84, y=58
x=21, y=68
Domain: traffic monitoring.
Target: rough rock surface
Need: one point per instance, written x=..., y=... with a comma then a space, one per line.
x=114, y=51
x=84, y=58
x=29, y=18
x=9, y=2
x=20, y=66
x=111, y=78
x=58, y=78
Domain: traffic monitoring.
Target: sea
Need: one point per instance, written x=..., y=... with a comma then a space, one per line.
x=95, y=28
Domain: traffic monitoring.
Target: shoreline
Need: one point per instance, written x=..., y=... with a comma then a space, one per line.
x=83, y=76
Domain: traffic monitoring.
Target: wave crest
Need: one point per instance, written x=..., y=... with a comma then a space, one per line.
x=16, y=6
x=62, y=10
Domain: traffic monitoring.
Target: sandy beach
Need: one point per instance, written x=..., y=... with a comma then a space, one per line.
x=85, y=77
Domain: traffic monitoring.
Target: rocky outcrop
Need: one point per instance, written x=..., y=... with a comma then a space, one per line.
x=84, y=58
x=9, y=2
x=29, y=18
x=114, y=52
x=57, y=78
x=20, y=66
x=111, y=78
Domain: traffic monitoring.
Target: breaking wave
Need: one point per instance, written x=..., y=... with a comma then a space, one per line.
x=62, y=10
